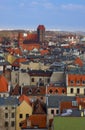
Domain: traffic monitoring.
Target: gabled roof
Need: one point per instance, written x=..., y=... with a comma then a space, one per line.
x=34, y=90
x=18, y=61
x=16, y=91
x=24, y=98
x=14, y=51
x=3, y=84
x=78, y=61
x=43, y=52
x=38, y=120
x=39, y=107
x=54, y=101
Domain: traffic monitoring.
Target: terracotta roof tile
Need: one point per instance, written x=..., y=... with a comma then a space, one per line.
x=3, y=84
x=36, y=120
x=24, y=98
x=18, y=61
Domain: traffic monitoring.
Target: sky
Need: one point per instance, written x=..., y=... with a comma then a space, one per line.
x=53, y=14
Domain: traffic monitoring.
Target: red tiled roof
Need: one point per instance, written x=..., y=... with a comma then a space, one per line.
x=31, y=46
x=18, y=61
x=66, y=105
x=34, y=90
x=43, y=52
x=24, y=98
x=3, y=84
x=36, y=120
x=14, y=51
x=16, y=90
x=78, y=61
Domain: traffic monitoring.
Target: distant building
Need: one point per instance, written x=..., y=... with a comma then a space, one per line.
x=32, y=40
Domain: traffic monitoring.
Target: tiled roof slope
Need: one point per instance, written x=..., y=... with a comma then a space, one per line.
x=3, y=84
x=8, y=101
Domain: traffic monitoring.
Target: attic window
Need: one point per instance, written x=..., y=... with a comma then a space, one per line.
x=83, y=82
x=78, y=82
x=38, y=91
x=63, y=91
x=50, y=91
x=72, y=82
x=30, y=91
x=56, y=91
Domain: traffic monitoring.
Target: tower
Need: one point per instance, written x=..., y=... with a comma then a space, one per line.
x=41, y=33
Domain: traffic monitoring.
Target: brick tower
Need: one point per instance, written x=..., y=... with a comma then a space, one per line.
x=41, y=33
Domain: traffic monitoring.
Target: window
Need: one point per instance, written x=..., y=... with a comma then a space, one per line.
x=12, y=115
x=6, y=115
x=41, y=98
x=12, y=123
x=71, y=90
x=48, y=80
x=56, y=91
x=20, y=116
x=52, y=111
x=16, y=80
x=38, y=91
x=78, y=82
x=57, y=111
x=74, y=103
x=6, y=108
x=30, y=91
x=72, y=82
x=63, y=91
x=6, y=124
x=83, y=82
x=50, y=91
x=20, y=124
x=84, y=91
x=13, y=107
x=27, y=115
x=32, y=79
x=78, y=90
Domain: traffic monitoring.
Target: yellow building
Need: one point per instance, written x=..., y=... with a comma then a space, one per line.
x=34, y=66
x=23, y=110
x=10, y=58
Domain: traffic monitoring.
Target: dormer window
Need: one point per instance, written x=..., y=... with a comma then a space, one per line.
x=38, y=91
x=83, y=82
x=72, y=82
x=56, y=91
x=78, y=82
x=63, y=91
x=50, y=91
x=30, y=91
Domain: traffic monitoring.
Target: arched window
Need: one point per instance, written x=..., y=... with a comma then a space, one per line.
x=78, y=90
x=50, y=91
x=71, y=90
x=63, y=91
x=56, y=91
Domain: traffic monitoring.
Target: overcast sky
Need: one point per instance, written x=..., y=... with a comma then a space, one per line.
x=54, y=14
